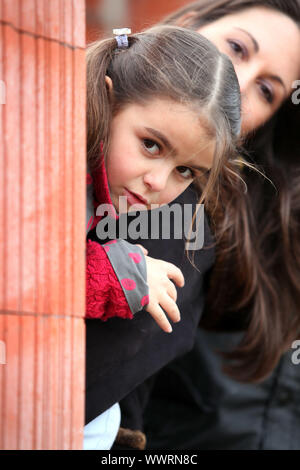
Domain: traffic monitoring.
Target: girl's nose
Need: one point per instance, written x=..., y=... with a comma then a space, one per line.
x=157, y=180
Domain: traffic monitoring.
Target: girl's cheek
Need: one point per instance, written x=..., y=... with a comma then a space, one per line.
x=172, y=193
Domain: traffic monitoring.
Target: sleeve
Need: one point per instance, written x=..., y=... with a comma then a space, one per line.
x=116, y=274
x=115, y=280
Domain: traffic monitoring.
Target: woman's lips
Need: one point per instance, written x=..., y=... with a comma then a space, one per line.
x=134, y=198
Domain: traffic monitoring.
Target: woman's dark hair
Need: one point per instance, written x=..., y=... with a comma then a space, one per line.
x=260, y=285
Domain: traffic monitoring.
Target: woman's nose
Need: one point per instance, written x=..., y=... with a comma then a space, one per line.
x=247, y=78
x=245, y=81
x=156, y=180
x=247, y=74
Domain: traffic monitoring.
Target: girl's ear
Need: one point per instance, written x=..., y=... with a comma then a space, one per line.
x=109, y=85
x=185, y=19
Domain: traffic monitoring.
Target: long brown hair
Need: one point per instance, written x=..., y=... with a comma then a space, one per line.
x=256, y=278
x=172, y=63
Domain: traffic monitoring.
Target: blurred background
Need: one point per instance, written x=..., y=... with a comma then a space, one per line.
x=104, y=15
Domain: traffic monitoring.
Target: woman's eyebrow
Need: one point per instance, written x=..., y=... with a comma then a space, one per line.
x=255, y=43
x=163, y=139
x=280, y=81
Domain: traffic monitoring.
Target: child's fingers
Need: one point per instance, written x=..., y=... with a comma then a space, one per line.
x=175, y=274
x=143, y=249
x=172, y=291
x=159, y=316
x=170, y=307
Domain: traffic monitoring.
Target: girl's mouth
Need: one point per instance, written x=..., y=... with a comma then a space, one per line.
x=134, y=198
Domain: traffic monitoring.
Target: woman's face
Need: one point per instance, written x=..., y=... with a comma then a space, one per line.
x=264, y=46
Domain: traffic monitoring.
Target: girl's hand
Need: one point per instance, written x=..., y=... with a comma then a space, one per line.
x=143, y=249
x=162, y=292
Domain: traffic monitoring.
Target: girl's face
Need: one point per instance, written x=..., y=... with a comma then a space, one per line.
x=264, y=46
x=155, y=151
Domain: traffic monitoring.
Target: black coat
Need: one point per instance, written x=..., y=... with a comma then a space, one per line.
x=121, y=354
x=194, y=405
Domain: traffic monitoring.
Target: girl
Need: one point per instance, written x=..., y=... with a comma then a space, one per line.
x=164, y=110
x=145, y=156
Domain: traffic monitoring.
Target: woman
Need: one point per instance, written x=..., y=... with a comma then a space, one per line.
x=194, y=404
x=267, y=66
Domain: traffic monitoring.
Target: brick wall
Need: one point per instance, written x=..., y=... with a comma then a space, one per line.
x=42, y=209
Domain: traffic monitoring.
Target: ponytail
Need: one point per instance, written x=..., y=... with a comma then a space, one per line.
x=99, y=107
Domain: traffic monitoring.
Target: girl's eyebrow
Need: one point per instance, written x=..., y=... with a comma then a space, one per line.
x=173, y=151
x=163, y=139
x=200, y=168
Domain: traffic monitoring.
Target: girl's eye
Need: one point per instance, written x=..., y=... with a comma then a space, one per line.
x=238, y=48
x=266, y=92
x=151, y=146
x=185, y=172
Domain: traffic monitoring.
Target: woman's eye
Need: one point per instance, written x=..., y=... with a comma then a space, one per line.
x=185, y=172
x=151, y=146
x=266, y=92
x=238, y=48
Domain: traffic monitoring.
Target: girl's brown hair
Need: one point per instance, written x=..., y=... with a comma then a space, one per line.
x=170, y=63
x=256, y=279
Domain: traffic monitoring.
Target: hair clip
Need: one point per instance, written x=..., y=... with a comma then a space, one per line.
x=121, y=37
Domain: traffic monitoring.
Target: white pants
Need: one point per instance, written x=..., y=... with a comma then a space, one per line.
x=100, y=433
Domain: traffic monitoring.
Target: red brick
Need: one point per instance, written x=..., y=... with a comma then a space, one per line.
x=2, y=173
x=29, y=219
x=43, y=197
x=79, y=169
x=40, y=18
x=40, y=382
x=52, y=376
x=68, y=21
x=78, y=24
x=67, y=164
x=26, y=395
x=65, y=379
x=11, y=12
x=10, y=410
x=78, y=383
x=28, y=16
x=54, y=244
x=53, y=26
x=12, y=174
x=2, y=376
